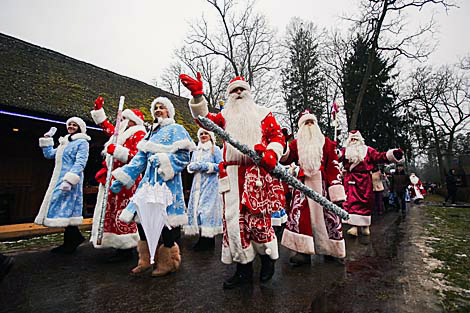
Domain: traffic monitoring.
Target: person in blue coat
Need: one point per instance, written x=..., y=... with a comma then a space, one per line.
x=63, y=203
x=205, y=207
x=163, y=155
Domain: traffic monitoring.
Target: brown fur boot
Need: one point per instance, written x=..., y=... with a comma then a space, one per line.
x=144, y=258
x=165, y=263
x=176, y=256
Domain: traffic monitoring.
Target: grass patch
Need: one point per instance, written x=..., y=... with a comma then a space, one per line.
x=450, y=227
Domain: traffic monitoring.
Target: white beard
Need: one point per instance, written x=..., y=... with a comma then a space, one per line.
x=243, y=122
x=310, y=141
x=355, y=152
x=414, y=179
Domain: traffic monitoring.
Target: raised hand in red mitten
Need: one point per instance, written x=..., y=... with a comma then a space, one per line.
x=269, y=160
x=195, y=86
x=398, y=153
x=99, y=103
x=111, y=148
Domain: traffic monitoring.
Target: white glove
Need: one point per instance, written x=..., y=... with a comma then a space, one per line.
x=65, y=186
x=51, y=132
x=126, y=216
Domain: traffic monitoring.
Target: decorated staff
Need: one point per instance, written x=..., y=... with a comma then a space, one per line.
x=334, y=114
x=116, y=233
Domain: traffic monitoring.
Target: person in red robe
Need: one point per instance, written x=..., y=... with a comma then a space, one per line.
x=310, y=228
x=358, y=161
x=250, y=194
x=117, y=234
x=417, y=191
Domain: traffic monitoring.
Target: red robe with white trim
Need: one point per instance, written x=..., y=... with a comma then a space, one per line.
x=247, y=208
x=117, y=234
x=358, y=185
x=416, y=188
x=310, y=228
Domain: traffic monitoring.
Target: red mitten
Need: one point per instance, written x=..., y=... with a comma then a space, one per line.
x=99, y=103
x=111, y=148
x=260, y=148
x=101, y=176
x=398, y=153
x=269, y=160
x=195, y=86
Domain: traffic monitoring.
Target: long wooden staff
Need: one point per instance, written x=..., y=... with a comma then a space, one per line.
x=99, y=239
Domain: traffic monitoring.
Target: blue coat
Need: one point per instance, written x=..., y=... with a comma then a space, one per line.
x=63, y=208
x=205, y=205
x=163, y=157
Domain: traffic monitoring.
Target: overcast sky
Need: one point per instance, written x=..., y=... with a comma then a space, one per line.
x=137, y=38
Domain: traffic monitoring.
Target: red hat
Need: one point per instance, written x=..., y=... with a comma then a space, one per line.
x=134, y=115
x=238, y=81
x=306, y=116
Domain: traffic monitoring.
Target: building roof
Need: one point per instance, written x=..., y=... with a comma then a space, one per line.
x=43, y=81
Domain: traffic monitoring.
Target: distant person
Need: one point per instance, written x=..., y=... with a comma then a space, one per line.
x=451, y=182
x=400, y=182
x=63, y=203
x=386, y=191
x=378, y=189
x=417, y=191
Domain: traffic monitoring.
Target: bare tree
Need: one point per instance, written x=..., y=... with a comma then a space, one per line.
x=440, y=101
x=383, y=23
x=170, y=78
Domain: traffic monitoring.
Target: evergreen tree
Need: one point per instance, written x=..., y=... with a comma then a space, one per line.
x=379, y=122
x=302, y=82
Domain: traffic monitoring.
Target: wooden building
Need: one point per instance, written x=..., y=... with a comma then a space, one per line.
x=40, y=88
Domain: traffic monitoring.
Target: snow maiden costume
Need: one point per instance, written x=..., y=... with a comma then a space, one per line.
x=163, y=155
x=205, y=205
x=250, y=194
x=117, y=234
x=358, y=161
x=63, y=203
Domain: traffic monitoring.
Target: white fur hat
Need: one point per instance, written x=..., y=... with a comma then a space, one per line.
x=167, y=103
x=79, y=122
x=200, y=130
x=134, y=115
x=306, y=116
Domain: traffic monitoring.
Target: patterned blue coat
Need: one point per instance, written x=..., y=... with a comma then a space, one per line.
x=163, y=157
x=63, y=208
x=205, y=205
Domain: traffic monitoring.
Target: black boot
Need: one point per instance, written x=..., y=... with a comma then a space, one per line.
x=121, y=255
x=204, y=244
x=300, y=259
x=242, y=276
x=62, y=247
x=72, y=239
x=267, y=268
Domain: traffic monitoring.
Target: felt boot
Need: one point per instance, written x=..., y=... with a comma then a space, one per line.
x=144, y=258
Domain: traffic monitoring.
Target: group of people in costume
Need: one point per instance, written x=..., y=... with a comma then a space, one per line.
x=230, y=194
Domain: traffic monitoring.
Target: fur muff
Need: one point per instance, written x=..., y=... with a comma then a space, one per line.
x=144, y=258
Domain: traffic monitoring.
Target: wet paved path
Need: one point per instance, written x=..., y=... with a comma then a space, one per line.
x=44, y=282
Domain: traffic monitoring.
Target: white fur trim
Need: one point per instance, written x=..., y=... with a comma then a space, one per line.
x=80, y=136
x=392, y=158
x=191, y=230
x=268, y=248
x=165, y=169
x=126, y=216
x=148, y=146
x=130, y=115
x=224, y=184
x=79, y=122
x=121, y=153
x=72, y=178
x=177, y=220
x=198, y=108
x=211, y=168
x=211, y=134
x=285, y=155
x=298, y=242
x=63, y=222
x=278, y=221
x=211, y=232
x=98, y=116
x=167, y=103
x=46, y=142
x=277, y=148
x=237, y=83
x=358, y=220
x=125, y=179
x=305, y=118
x=336, y=193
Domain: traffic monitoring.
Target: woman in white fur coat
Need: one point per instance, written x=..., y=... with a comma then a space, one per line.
x=205, y=207
x=63, y=203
